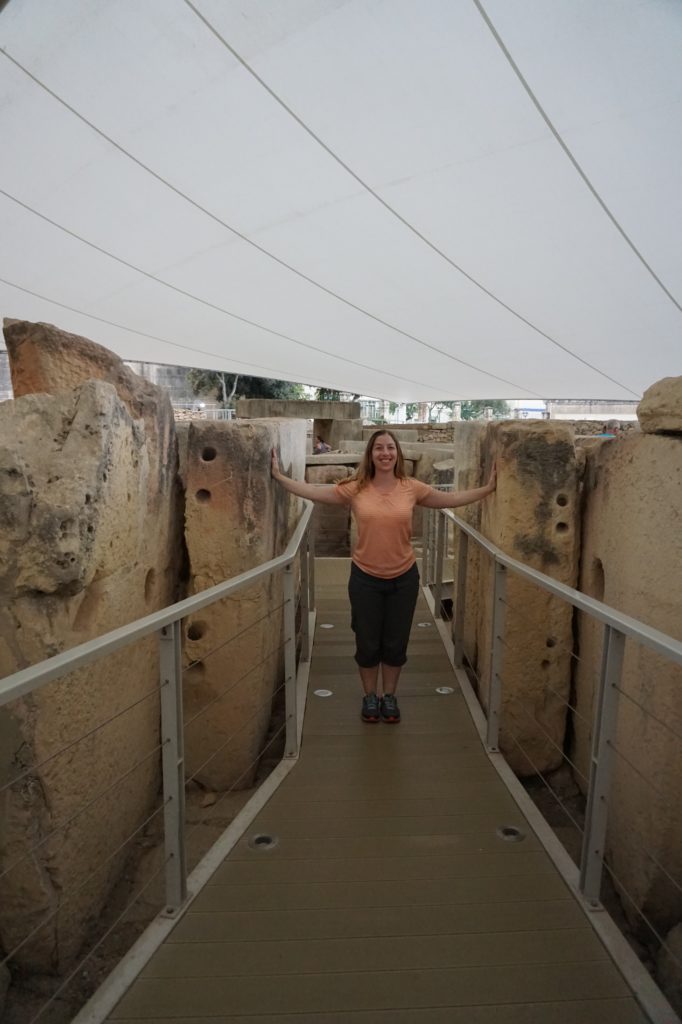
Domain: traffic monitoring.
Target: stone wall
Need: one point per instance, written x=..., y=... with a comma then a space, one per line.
x=631, y=558
x=258, y=408
x=236, y=518
x=90, y=539
x=533, y=517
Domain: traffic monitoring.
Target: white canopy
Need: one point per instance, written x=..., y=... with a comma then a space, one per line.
x=411, y=199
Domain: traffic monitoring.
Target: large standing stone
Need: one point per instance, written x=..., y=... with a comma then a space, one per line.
x=660, y=411
x=533, y=517
x=631, y=558
x=89, y=540
x=236, y=518
x=84, y=549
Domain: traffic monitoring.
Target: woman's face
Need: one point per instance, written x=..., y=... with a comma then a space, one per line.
x=384, y=454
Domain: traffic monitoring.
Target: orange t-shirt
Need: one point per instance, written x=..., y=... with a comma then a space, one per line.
x=384, y=523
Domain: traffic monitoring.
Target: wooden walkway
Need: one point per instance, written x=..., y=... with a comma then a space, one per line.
x=389, y=896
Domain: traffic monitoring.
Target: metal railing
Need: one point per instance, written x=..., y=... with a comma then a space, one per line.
x=602, y=750
x=293, y=606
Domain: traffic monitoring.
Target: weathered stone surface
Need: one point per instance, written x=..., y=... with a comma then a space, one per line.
x=86, y=545
x=533, y=517
x=631, y=558
x=257, y=408
x=669, y=968
x=660, y=411
x=236, y=518
x=336, y=432
x=332, y=522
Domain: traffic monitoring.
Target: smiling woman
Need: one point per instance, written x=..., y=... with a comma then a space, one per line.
x=384, y=580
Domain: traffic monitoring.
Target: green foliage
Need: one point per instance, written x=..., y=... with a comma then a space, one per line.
x=475, y=410
x=226, y=386
x=327, y=395
x=411, y=410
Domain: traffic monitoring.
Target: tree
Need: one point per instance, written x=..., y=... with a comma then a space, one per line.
x=327, y=395
x=475, y=410
x=225, y=386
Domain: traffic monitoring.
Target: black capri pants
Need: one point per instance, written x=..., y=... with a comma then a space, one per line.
x=381, y=615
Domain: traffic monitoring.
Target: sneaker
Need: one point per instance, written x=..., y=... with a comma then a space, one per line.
x=390, y=712
x=370, y=708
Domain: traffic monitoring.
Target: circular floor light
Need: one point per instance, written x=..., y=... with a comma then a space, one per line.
x=510, y=834
x=322, y=693
x=444, y=689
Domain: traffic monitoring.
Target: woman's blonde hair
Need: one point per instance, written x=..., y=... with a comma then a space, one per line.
x=366, y=470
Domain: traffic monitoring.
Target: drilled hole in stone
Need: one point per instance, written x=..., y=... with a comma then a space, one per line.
x=545, y=663
x=203, y=495
x=562, y=527
x=550, y=641
x=562, y=500
x=208, y=454
x=196, y=631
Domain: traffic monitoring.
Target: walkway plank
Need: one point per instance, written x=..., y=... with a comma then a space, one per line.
x=389, y=895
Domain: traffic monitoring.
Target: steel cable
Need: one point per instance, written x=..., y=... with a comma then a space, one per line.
x=556, y=746
x=70, y=893
x=546, y=686
x=622, y=888
x=546, y=784
x=62, y=825
x=648, y=713
x=225, y=693
x=69, y=746
x=235, y=636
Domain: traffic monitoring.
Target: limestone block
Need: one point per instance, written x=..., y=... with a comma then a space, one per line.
x=533, y=516
x=468, y=473
x=236, y=518
x=257, y=408
x=339, y=431
x=331, y=522
x=84, y=548
x=631, y=557
x=660, y=411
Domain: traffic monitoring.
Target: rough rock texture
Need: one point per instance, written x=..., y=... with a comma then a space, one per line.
x=331, y=522
x=468, y=473
x=533, y=517
x=669, y=968
x=335, y=432
x=257, y=408
x=88, y=542
x=660, y=411
x=236, y=518
x=631, y=558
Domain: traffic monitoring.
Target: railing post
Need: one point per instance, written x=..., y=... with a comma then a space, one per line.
x=311, y=565
x=440, y=545
x=496, y=650
x=173, y=765
x=601, y=766
x=291, y=746
x=460, y=598
x=305, y=599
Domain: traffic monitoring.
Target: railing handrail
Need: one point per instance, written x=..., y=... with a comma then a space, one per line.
x=36, y=676
x=648, y=635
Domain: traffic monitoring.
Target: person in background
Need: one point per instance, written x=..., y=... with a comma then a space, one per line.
x=384, y=580
x=320, y=446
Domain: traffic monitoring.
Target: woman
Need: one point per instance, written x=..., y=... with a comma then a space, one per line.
x=384, y=581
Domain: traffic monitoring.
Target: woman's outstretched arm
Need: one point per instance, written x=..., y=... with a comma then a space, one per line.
x=454, y=499
x=324, y=493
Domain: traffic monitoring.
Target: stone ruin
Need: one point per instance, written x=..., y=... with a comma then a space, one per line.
x=92, y=536
x=94, y=533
